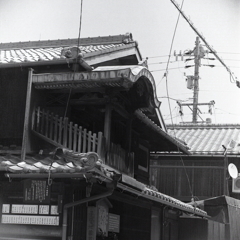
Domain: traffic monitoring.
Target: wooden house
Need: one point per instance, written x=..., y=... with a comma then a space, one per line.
x=203, y=177
x=79, y=118
x=205, y=170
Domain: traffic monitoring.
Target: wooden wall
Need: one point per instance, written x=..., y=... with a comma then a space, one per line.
x=13, y=84
x=201, y=229
x=135, y=220
x=204, y=178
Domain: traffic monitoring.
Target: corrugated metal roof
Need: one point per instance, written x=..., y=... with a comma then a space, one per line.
x=208, y=139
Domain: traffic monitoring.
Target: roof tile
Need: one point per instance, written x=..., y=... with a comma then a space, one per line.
x=34, y=51
x=207, y=139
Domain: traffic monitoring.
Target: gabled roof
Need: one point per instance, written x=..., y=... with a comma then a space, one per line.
x=209, y=139
x=94, y=50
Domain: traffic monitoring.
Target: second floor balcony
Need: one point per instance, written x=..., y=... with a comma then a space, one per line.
x=60, y=132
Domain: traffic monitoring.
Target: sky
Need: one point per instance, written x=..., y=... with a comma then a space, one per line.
x=159, y=31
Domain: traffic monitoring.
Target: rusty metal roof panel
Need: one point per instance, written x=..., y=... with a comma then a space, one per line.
x=208, y=139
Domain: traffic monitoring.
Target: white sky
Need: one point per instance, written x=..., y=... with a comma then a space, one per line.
x=152, y=24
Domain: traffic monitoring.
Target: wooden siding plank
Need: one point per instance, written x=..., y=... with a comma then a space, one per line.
x=89, y=138
x=70, y=135
x=94, y=142
x=51, y=126
x=80, y=139
x=55, y=128
x=99, y=143
x=65, y=132
x=75, y=132
x=60, y=130
x=84, y=140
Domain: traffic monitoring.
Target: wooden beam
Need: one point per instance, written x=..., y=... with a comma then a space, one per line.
x=107, y=125
x=27, y=112
x=194, y=167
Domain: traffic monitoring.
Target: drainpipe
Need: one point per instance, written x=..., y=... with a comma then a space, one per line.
x=85, y=200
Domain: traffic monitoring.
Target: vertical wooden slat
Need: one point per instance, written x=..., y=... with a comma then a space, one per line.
x=55, y=128
x=65, y=132
x=94, y=142
x=70, y=130
x=42, y=121
x=38, y=120
x=33, y=119
x=107, y=125
x=60, y=130
x=84, y=140
x=47, y=123
x=75, y=131
x=79, y=139
x=89, y=141
x=99, y=143
x=51, y=126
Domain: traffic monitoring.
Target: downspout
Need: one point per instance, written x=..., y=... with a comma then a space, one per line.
x=85, y=200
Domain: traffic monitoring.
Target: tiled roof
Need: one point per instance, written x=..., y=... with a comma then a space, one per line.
x=52, y=163
x=154, y=195
x=39, y=51
x=170, y=201
x=208, y=139
x=68, y=164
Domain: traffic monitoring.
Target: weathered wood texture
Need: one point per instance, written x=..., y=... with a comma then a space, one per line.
x=200, y=229
x=202, y=179
x=60, y=132
x=13, y=89
x=63, y=133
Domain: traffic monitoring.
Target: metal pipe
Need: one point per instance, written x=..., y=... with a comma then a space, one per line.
x=85, y=200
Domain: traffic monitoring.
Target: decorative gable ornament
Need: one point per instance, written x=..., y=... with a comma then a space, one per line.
x=71, y=52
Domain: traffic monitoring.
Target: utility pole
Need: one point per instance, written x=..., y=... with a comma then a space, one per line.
x=232, y=77
x=196, y=78
x=193, y=83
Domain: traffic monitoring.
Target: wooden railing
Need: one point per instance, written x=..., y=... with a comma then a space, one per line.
x=60, y=132
x=63, y=133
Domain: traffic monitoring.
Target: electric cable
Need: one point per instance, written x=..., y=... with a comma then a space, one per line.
x=166, y=76
x=158, y=70
x=78, y=44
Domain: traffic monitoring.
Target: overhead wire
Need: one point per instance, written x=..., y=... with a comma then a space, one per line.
x=166, y=76
x=78, y=51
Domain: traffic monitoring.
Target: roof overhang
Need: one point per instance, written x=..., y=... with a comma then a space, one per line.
x=130, y=185
x=115, y=76
x=111, y=76
x=65, y=164
x=95, y=51
x=177, y=146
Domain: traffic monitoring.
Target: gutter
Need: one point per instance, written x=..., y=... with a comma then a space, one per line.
x=85, y=200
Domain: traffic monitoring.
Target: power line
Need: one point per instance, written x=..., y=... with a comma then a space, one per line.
x=203, y=45
x=232, y=77
x=159, y=56
x=78, y=51
x=165, y=69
